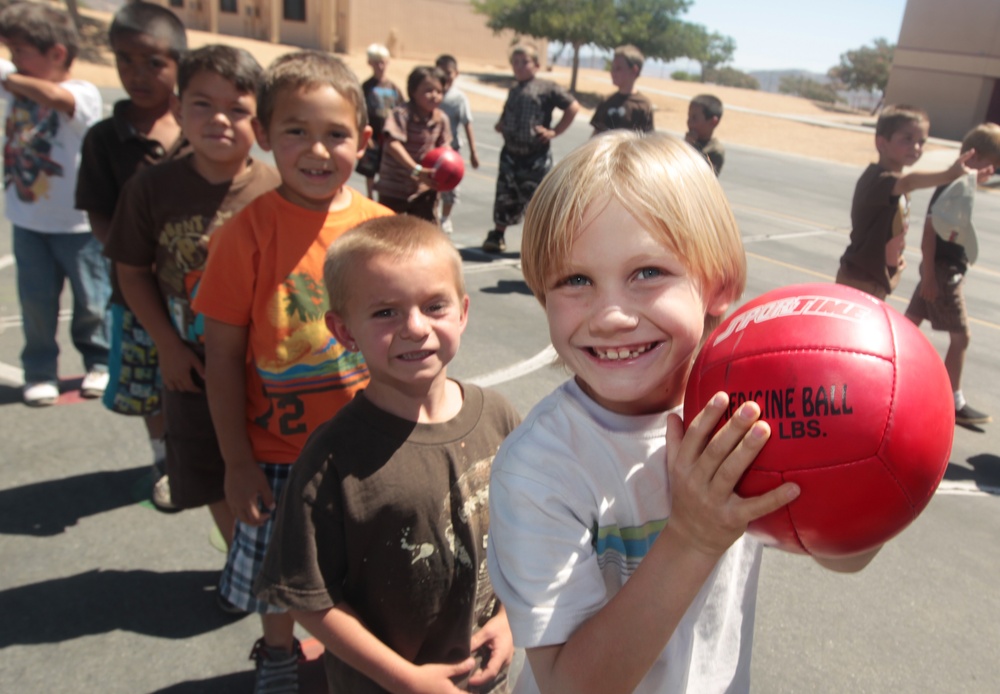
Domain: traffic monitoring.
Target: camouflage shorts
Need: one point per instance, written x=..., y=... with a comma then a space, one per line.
x=517, y=179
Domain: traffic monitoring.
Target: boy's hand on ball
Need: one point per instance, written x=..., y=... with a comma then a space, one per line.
x=704, y=469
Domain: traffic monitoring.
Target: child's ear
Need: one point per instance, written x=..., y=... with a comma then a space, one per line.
x=57, y=54
x=363, y=138
x=880, y=142
x=260, y=132
x=465, y=311
x=718, y=306
x=336, y=325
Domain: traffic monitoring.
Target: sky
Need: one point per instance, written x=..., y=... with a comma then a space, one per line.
x=797, y=34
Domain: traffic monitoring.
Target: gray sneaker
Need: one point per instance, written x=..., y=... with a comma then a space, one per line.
x=277, y=669
x=969, y=415
x=494, y=242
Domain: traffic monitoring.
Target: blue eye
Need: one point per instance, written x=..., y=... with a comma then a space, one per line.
x=649, y=273
x=576, y=281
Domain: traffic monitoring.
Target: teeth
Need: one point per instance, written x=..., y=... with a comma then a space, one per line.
x=620, y=353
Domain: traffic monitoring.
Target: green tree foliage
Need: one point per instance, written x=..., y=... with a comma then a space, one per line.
x=730, y=77
x=682, y=76
x=710, y=50
x=865, y=68
x=807, y=88
x=651, y=25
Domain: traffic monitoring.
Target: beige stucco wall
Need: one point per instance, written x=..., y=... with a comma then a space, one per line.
x=947, y=61
x=413, y=29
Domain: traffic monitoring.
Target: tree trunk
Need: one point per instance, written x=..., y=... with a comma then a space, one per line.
x=74, y=13
x=576, y=68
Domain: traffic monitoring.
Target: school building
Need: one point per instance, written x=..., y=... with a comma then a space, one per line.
x=412, y=29
x=947, y=60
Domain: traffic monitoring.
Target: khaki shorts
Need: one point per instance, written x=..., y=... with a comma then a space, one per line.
x=851, y=278
x=947, y=312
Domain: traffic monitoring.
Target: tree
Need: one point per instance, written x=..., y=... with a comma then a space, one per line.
x=731, y=77
x=711, y=50
x=651, y=25
x=74, y=13
x=807, y=88
x=865, y=68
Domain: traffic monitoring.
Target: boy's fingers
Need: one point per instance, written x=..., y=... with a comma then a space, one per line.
x=758, y=506
x=700, y=430
x=742, y=455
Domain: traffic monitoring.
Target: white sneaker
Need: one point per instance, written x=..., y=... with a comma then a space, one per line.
x=161, y=495
x=41, y=394
x=94, y=384
x=446, y=226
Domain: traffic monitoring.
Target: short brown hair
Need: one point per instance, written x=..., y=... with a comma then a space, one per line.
x=308, y=70
x=632, y=56
x=41, y=26
x=894, y=118
x=710, y=104
x=985, y=139
x=396, y=236
x=233, y=64
x=528, y=50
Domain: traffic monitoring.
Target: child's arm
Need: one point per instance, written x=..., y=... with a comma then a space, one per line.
x=177, y=360
x=42, y=92
x=706, y=518
x=567, y=118
x=932, y=179
x=225, y=382
x=100, y=226
x=495, y=635
x=473, y=155
x=928, y=270
x=346, y=636
x=396, y=150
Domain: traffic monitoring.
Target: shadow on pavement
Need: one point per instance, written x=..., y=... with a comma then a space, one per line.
x=48, y=508
x=985, y=472
x=508, y=287
x=312, y=680
x=170, y=605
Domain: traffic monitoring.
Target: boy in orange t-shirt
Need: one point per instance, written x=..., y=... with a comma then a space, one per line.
x=273, y=371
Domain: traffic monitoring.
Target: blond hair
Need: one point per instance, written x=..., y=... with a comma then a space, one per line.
x=396, y=237
x=528, y=50
x=663, y=182
x=985, y=139
x=632, y=56
x=377, y=51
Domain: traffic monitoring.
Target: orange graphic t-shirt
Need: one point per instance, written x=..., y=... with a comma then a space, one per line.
x=265, y=272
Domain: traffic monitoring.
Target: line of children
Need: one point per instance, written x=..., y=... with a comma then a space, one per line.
x=411, y=131
x=626, y=108
x=379, y=546
x=159, y=241
x=949, y=246
x=456, y=106
x=381, y=96
x=273, y=371
x=704, y=114
x=873, y=261
x=48, y=114
x=148, y=41
x=608, y=523
x=526, y=126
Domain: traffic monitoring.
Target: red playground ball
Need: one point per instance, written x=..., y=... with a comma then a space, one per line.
x=446, y=165
x=860, y=409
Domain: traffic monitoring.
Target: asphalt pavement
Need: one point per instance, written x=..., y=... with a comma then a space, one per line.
x=102, y=593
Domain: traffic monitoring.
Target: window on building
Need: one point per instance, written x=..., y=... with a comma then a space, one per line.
x=227, y=6
x=295, y=10
x=177, y=3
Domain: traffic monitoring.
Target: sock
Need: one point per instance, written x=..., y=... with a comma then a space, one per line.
x=959, y=400
x=159, y=447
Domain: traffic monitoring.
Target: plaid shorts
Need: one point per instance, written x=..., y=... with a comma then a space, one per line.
x=246, y=556
x=134, y=385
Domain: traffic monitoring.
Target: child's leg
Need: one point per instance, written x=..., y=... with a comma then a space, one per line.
x=82, y=260
x=954, y=358
x=279, y=631
x=39, y=282
x=224, y=519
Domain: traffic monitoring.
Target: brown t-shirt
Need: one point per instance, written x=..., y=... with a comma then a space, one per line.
x=391, y=517
x=164, y=218
x=624, y=111
x=713, y=151
x=879, y=222
x=419, y=136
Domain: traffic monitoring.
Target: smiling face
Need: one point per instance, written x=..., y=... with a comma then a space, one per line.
x=146, y=69
x=428, y=95
x=903, y=147
x=623, y=75
x=523, y=66
x=406, y=316
x=313, y=134
x=625, y=314
x=216, y=118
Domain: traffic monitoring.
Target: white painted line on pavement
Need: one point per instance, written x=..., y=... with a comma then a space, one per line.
x=966, y=488
x=540, y=360
x=6, y=261
x=11, y=375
